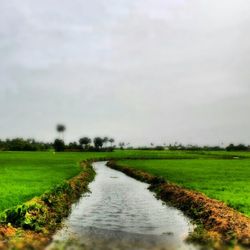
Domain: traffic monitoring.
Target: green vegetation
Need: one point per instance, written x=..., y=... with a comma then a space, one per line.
x=225, y=180
x=52, y=206
x=24, y=175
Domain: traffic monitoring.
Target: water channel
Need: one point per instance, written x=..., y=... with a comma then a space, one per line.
x=121, y=213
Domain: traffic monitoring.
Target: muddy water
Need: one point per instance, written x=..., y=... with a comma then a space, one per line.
x=120, y=213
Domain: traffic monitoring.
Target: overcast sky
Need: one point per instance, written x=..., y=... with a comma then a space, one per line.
x=139, y=70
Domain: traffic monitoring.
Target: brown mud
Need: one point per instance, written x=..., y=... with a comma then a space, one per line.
x=222, y=226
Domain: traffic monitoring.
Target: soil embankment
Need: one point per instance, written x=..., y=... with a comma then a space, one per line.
x=222, y=224
x=121, y=213
x=31, y=225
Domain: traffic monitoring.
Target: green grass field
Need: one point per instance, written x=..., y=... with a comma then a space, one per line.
x=225, y=180
x=24, y=175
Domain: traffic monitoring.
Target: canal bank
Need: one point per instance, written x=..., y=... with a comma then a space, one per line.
x=218, y=225
x=32, y=224
x=121, y=213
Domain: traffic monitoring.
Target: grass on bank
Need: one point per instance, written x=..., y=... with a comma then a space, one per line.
x=225, y=180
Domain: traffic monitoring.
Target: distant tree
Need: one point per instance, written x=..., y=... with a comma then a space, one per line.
x=85, y=141
x=121, y=145
x=73, y=146
x=240, y=147
x=111, y=140
x=98, y=142
x=159, y=148
x=105, y=140
x=59, y=145
x=61, y=129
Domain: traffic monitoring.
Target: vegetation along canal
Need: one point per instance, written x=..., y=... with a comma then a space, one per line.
x=121, y=213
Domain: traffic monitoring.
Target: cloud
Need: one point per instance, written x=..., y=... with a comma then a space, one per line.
x=141, y=70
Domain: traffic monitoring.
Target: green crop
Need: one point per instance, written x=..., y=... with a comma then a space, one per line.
x=24, y=175
x=225, y=180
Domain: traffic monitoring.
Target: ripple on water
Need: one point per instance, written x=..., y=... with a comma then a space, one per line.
x=121, y=213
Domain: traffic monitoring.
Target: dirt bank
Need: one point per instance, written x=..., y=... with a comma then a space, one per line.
x=32, y=225
x=221, y=223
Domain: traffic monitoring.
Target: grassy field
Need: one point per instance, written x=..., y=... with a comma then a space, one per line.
x=225, y=180
x=24, y=175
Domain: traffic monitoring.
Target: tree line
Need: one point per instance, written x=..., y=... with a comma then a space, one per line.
x=100, y=144
x=190, y=147
x=20, y=144
x=86, y=144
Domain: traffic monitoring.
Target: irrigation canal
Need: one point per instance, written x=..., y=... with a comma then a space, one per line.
x=121, y=213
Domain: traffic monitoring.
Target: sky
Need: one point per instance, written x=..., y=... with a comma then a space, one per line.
x=140, y=71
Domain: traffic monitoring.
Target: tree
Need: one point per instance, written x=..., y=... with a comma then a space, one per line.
x=59, y=145
x=74, y=146
x=111, y=140
x=98, y=142
x=85, y=141
x=61, y=129
x=121, y=145
x=240, y=147
x=105, y=140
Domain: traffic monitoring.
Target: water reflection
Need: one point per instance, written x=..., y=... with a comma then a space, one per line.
x=121, y=213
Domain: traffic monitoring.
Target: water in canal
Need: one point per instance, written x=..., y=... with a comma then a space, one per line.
x=121, y=213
